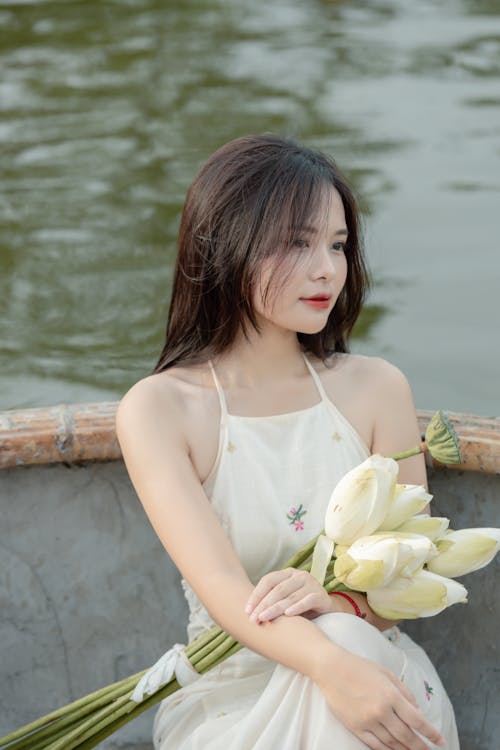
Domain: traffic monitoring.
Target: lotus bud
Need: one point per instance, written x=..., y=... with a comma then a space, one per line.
x=423, y=595
x=408, y=499
x=442, y=441
x=432, y=527
x=375, y=560
x=464, y=551
x=361, y=499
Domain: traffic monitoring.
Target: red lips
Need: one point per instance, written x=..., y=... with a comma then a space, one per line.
x=324, y=297
x=319, y=300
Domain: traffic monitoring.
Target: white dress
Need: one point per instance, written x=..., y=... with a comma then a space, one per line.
x=270, y=485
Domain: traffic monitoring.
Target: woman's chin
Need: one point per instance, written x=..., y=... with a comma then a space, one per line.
x=310, y=330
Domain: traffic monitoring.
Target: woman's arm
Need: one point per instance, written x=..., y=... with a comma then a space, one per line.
x=153, y=437
x=395, y=426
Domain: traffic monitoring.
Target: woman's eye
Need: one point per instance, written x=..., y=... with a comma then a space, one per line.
x=339, y=246
x=299, y=243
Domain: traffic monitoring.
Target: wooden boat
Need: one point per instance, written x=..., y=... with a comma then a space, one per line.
x=88, y=595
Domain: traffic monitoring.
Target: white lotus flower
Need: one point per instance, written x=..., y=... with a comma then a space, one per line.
x=375, y=560
x=423, y=595
x=432, y=527
x=465, y=550
x=360, y=501
x=408, y=499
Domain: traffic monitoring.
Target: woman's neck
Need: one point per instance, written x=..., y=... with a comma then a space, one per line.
x=258, y=359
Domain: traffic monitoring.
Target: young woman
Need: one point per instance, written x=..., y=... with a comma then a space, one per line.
x=234, y=444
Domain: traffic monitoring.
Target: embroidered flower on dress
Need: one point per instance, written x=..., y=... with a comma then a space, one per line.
x=428, y=690
x=336, y=436
x=230, y=447
x=295, y=517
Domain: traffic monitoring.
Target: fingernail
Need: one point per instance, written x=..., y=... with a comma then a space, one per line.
x=248, y=608
x=253, y=618
x=264, y=615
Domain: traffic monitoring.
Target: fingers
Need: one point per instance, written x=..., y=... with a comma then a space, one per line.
x=375, y=706
x=267, y=584
x=275, y=603
x=373, y=742
x=396, y=734
x=391, y=733
x=297, y=603
x=415, y=719
x=408, y=716
x=304, y=604
x=271, y=611
x=402, y=688
x=290, y=591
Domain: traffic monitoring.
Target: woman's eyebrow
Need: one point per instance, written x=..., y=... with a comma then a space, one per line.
x=312, y=230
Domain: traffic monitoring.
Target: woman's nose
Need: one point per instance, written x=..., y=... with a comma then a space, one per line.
x=324, y=263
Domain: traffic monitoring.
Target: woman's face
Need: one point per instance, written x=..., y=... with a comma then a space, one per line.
x=315, y=271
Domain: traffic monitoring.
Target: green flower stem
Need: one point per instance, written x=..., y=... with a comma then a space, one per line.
x=208, y=649
x=303, y=553
x=227, y=646
x=126, y=712
x=410, y=452
x=74, y=736
x=201, y=641
x=123, y=716
x=57, y=728
x=328, y=580
x=336, y=585
x=113, y=727
x=233, y=650
x=88, y=700
x=40, y=743
x=220, y=651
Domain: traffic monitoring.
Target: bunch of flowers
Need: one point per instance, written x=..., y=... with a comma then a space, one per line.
x=375, y=541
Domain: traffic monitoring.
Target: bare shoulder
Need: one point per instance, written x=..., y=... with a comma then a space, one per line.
x=369, y=381
x=173, y=393
x=152, y=398
x=387, y=386
x=371, y=372
x=174, y=410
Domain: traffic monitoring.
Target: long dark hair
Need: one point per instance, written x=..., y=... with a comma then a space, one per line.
x=241, y=208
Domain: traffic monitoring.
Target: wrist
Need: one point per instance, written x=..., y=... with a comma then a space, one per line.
x=323, y=663
x=339, y=604
x=350, y=603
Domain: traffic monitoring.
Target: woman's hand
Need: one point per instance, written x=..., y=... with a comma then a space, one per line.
x=375, y=705
x=288, y=592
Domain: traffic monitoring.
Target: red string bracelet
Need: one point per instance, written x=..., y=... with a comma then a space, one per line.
x=353, y=604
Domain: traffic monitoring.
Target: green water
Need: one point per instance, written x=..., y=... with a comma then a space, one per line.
x=108, y=108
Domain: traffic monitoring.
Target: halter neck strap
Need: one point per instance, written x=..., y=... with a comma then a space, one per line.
x=316, y=378
x=222, y=397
